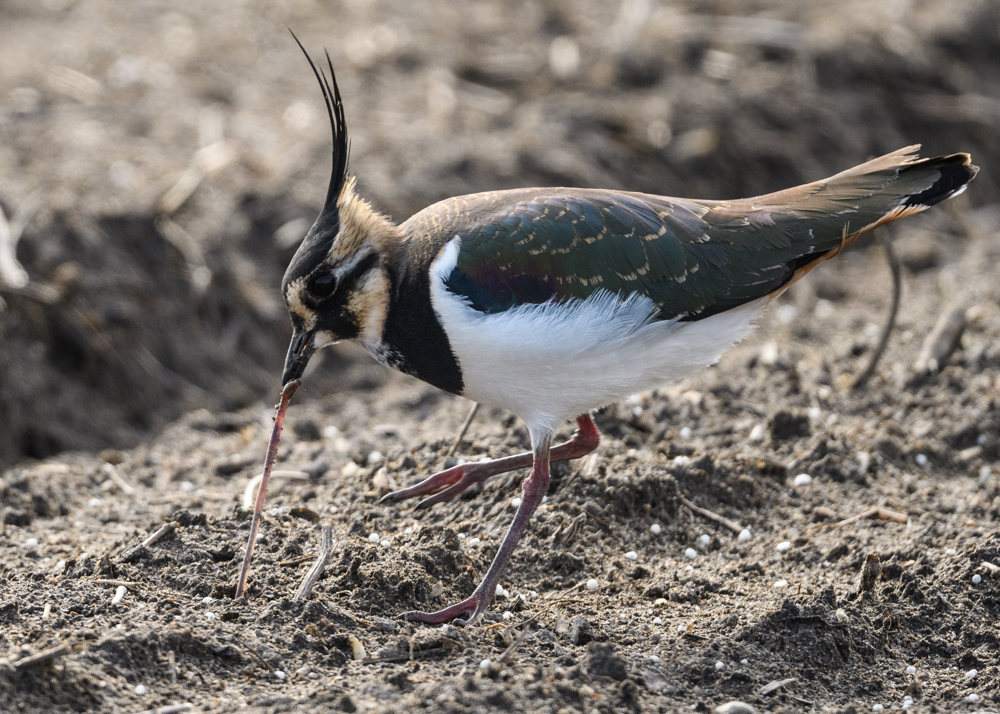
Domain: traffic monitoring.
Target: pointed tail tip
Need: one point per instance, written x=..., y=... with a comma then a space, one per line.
x=954, y=174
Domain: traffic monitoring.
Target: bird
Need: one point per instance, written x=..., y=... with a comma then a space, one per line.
x=553, y=302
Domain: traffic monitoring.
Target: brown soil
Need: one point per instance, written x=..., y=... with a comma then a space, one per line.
x=136, y=381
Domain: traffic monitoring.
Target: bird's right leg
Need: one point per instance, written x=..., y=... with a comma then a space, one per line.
x=445, y=485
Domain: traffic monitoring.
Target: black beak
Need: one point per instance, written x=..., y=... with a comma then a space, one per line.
x=299, y=352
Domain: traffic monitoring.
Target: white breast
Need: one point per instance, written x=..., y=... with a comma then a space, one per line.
x=550, y=362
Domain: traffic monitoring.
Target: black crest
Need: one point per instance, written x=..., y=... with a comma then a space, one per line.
x=338, y=126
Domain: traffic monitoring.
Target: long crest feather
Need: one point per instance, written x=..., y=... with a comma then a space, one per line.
x=338, y=126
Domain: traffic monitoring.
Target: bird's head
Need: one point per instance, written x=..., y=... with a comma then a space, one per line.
x=337, y=286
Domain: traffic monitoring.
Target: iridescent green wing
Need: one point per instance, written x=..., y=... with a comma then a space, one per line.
x=691, y=258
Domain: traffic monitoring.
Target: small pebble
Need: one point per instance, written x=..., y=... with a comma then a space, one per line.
x=951, y=551
x=744, y=661
x=632, y=555
x=690, y=553
x=408, y=530
x=654, y=658
x=187, y=486
x=877, y=708
x=207, y=600
x=703, y=541
x=375, y=457
x=592, y=584
x=499, y=590
x=973, y=698
x=140, y=689
x=279, y=674
x=920, y=459
x=814, y=413
x=984, y=472
x=784, y=546
x=485, y=664
x=31, y=543
x=655, y=529
x=802, y=480
x=119, y=594
x=461, y=536
x=94, y=502
x=976, y=579
x=682, y=628
x=374, y=538
x=657, y=621
x=682, y=460
x=507, y=614
x=385, y=542
x=864, y=460
x=758, y=433
x=907, y=703
x=209, y=615
x=908, y=697
x=911, y=669
x=781, y=584
x=685, y=432
x=515, y=502
x=474, y=541
x=971, y=673
x=744, y=536
x=720, y=665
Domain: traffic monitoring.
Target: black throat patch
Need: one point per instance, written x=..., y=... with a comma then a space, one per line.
x=416, y=342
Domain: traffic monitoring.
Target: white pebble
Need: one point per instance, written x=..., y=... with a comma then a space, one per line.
x=279, y=674
x=984, y=472
x=920, y=459
x=911, y=669
x=507, y=614
x=802, y=480
x=31, y=543
x=703, y=541
x=690, y=553
x=632, y=555
x=331, y=432
x=499, y=590
x=685, y=432
x=545, y=499
x=385, y=542
x=655, y=529
x=864, y=460
x=461, y=536
x=951, y=551
x=907, y=703
x=907, y=697
x=785, y=314
x=515, y=502
x=657, y=621
x=187, y=486
x=209, y=615
x=654, y=659
x=592, y=584
x=720, y=665
x=783, y=547
x=682, y=628
x=485, y=664
x=474, y=541
x=374, y=538
x=682, y=460
x=522, y=597
x=877, y=708
x=637, y=411
x=780, y=585
x=758, y=433
x=744, y=661
x=689, y=569
x=119, y=594
x=61, y=565
x=94, y=502
x=408, y=530
x=744, y=536
x=976, y=579
x=140, y=689
x=375, y=457
x=973, y=698
x=814, y=413
x=971, y=673
x=207, y=600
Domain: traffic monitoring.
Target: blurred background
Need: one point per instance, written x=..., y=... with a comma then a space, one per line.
x=160, y=161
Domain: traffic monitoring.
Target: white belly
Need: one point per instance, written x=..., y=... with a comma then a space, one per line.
x=549, y=362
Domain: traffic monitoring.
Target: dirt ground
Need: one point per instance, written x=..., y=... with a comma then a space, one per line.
x=164, y=157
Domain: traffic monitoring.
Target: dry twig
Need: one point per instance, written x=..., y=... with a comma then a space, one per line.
x=941, y=342
x=877, y=511
x=169, y=709
x=160, y=533
x=317, y=568
x=44, y=657
x=897, y=287
x=465, y=428
x=715, y=517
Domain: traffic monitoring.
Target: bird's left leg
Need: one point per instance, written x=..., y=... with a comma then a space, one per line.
x=447, y=484
x=533, y=491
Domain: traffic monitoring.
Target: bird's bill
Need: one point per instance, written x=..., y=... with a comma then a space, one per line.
x=299, y=351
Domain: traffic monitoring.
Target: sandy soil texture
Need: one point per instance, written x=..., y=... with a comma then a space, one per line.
x=159, y=161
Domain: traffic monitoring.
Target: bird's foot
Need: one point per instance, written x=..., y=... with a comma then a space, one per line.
x=475, y=606
x=445, y=485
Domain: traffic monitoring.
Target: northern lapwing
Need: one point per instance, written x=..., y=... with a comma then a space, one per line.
x=551, y=302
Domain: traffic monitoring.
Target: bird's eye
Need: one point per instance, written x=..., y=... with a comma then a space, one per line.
x=323, y=285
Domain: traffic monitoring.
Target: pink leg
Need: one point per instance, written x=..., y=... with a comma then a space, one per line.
x=533, y=490
x=445, y=485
